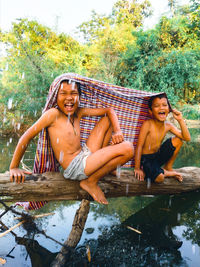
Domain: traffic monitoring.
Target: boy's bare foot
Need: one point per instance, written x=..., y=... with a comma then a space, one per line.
x=174, y=174
x=94, y=190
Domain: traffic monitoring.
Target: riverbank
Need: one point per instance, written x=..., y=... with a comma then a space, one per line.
x=195, y=124
x=16, y=133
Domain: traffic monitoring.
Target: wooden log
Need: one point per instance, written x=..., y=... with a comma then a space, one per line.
x=52, y=186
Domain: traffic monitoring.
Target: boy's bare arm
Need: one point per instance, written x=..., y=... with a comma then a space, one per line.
x=138, y=172
x=184, y=134
x=45, y=120
x=117, y=137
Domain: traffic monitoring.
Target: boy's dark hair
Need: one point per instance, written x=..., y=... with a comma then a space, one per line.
x=158, y=96
x=77, y=84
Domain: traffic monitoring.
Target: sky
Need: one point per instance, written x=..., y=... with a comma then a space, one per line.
x=65, y=15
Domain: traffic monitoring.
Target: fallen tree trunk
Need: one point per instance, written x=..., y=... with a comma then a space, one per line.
x=52, y=186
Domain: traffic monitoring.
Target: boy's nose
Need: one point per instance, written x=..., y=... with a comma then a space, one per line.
x=68, y=97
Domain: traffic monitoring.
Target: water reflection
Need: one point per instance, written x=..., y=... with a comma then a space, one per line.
x=7, y=147
x=157, y=245
x=39, y=255
x=113, y=244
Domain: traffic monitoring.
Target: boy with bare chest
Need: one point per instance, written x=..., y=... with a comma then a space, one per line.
x=151, y=154
x=86, y=164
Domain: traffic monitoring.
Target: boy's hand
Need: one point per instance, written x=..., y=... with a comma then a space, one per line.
x=117, y=138
x=17, y=175
x=177, y=114
x=139, y=174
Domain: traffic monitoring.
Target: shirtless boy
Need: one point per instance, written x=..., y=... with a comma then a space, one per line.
x=87, y=164
x=150, y=153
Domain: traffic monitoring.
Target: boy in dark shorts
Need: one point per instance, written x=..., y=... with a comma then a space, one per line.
x=151, y=154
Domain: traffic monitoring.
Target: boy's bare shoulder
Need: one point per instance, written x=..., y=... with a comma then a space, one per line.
x=52, y=114
x=147, y=123
x=52, y=111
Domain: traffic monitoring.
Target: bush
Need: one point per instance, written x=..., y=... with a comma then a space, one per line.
x=191, y=112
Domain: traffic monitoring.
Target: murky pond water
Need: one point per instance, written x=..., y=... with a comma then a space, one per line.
x=169, y=226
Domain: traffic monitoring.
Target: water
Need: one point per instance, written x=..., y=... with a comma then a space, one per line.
x=169, y=226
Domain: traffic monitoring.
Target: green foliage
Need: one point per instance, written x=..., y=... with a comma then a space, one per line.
x=191, y=112
x=35, y=56
x=109, y=36
x=131, y=12
x=162, y=60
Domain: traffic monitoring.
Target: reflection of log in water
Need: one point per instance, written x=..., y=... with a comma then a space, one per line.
x=52, y=186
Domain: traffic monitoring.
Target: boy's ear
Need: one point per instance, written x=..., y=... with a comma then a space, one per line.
x=150, y=112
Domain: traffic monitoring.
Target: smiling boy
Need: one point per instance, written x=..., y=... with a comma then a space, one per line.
x=150, y=153
x=88, y=163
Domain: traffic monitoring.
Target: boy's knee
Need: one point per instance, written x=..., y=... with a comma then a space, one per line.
x=177, y=142
x=160, y=178
x=128, y=149
x=105, y=121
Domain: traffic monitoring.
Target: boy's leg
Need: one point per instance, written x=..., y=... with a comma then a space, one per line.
x=100, y=135
x=177, y=143
x=160, y=178
x=166, y=152
x=102, y=162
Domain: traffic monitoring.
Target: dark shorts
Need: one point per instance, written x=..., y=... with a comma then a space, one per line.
x=152, y=163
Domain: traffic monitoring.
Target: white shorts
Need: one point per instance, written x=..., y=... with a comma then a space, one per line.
x=76, y=169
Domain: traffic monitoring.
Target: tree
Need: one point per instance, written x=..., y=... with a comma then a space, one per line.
x=172, y=6
x=35, y=55
x=108, y=36
x=146, y=66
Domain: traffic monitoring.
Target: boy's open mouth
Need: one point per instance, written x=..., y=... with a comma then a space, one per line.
x=69, y=106
x=162, y=114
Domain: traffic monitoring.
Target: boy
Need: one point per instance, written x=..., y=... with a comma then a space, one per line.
x=150, y=154
x=87, y=164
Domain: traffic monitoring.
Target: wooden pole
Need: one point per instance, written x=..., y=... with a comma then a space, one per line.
x=75, y=234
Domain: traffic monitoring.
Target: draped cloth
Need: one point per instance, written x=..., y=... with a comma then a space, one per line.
x=130, y=105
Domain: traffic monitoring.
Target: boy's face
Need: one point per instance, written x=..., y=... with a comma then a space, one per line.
x=68, y=98
x=159, y=109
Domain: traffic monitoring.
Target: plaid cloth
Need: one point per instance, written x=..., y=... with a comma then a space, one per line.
x=130, y=105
